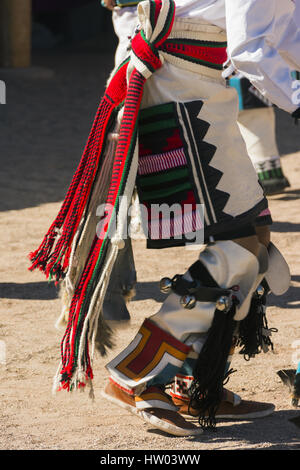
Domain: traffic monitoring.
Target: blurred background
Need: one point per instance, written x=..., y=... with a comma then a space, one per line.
x=30, y=25
x=55, y=58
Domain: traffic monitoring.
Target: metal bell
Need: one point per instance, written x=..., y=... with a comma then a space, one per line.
x=188, y=301
x=165, y=285
x=223, y=303
x=260, y=291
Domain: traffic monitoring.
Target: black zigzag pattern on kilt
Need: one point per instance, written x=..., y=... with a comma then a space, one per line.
x=209, y=177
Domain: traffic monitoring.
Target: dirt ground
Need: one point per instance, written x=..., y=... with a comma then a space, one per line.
x=43, y=128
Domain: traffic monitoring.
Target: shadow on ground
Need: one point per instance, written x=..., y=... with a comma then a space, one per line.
x=144, y=291
x=290, y=300
x=288, y=195
x=48, y=291
x=28, y=291
x=273, y=430
x=148, y=290
x=285, y=227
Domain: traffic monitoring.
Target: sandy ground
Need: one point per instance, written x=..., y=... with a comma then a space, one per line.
x=43, y=128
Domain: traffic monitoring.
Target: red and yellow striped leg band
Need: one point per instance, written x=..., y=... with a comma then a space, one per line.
x=153, y=355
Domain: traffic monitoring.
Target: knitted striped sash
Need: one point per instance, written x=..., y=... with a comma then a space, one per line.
x=211, y=54
x=127, y=3
x=52, y=257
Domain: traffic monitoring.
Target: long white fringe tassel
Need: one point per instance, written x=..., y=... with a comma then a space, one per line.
x=117, y=243
x=67, y=287
x=92, y=319
x=56, y=380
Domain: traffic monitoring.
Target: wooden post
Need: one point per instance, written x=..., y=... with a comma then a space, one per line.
x=15, y=33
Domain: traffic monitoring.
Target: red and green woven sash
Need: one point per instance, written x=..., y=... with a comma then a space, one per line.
x=52, y=257
x=212, y=54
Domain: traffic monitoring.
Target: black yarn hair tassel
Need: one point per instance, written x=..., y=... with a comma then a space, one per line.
x=207, y=387
x=296, y=391
x=296, y=115
x=104, y=336
x=254, y=334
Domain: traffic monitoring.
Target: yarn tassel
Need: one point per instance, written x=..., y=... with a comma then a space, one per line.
x=207, y=387
x=57, y=249
x=52, y=256
x=254, y=333
x=75, y=341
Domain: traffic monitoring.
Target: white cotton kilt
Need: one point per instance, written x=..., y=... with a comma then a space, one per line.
x=192, y=157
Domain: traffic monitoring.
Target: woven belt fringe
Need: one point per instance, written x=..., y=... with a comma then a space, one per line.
x=125, y=90
x=52, y=257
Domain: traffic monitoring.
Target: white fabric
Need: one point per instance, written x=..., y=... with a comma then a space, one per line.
x=258, y=129
x=278, y=275
x=220, y=109
x=210, y=11
x=169, y=427
x=176, y=82
x=297, y=13
x=230, y=265
x=151, y=34
x=124, y=23
x=262, y=38
x=260, y=42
